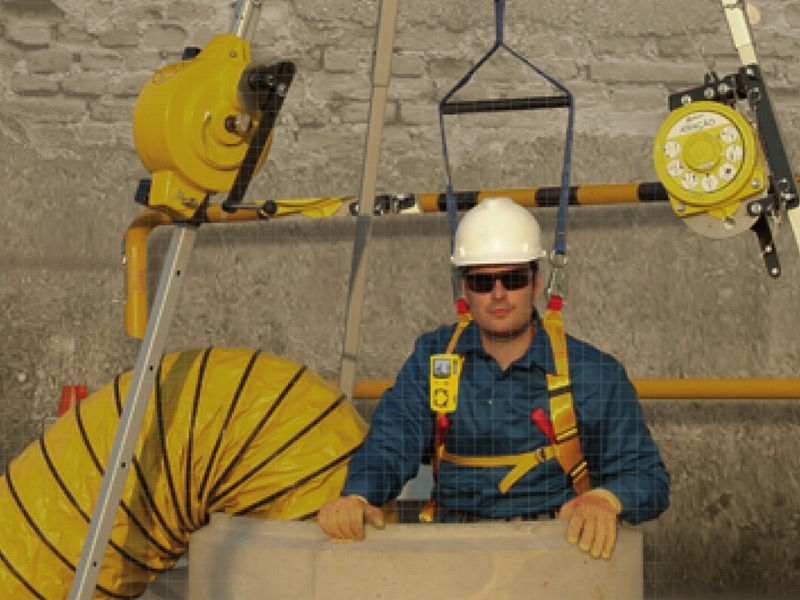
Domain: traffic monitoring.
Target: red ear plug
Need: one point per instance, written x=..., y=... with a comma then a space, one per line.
x=542, y=422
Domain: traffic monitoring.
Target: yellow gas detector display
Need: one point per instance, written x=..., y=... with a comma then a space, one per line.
x=445, y=372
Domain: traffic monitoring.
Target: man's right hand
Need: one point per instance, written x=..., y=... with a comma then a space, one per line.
x=343, y=519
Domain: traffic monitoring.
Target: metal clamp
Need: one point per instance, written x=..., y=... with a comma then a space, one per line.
x=541, y=454
x=387, y=203
x=558, y=283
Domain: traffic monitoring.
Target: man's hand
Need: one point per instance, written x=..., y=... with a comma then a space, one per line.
x=593, y=521
x=343, y=519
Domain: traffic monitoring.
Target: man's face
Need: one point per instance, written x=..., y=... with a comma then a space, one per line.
x=498, y=310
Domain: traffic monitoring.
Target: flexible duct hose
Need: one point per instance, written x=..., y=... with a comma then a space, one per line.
x=226, y=430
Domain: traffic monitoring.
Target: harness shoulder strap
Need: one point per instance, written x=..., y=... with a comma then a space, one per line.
x=442, y=421
x=562, y=408
x=442, y=425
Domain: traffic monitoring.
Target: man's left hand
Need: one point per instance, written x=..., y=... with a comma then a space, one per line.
x=593, y=521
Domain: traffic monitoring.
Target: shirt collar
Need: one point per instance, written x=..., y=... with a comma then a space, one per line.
x=539, y=353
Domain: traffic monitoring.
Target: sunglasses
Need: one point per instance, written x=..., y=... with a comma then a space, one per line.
x=483, y=283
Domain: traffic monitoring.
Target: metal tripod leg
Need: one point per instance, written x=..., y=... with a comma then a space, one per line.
x=381, y=73
x=130, y=425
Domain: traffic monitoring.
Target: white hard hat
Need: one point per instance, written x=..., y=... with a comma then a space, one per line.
x=497, y=231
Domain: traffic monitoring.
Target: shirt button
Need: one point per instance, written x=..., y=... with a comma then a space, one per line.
x=490, y=400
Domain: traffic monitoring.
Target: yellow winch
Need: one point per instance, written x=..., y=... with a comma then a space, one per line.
x=709, y=159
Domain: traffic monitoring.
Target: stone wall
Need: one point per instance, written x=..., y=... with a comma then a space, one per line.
x=665, y=301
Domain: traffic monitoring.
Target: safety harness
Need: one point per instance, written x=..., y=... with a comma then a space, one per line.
x=565, y=443
x=562, y=428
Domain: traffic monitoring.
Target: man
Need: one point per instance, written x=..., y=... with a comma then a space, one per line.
x=506, y=360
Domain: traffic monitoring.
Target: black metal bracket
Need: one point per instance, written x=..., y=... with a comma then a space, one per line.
x=142, y=194
x=768, y=250
x=781, y=174
x=268, y=86
x=727, y=90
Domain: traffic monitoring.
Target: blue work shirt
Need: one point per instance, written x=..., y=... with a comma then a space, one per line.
x=494, y=418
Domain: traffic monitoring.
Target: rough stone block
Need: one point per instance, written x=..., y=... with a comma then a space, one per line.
x=408, y=65
x=47, y=110
x=50, y=143
x=675, y=46
x=628, y=47
x=33, y=85
x=119, y=37
x=123, y=133
x=94, y=134
x=100, y=61
x=450, y=69
x=412, y=89
x=29, y=33
x=136, y=59
x=343, y=61
x=241, y=558
x=412, y=113
x=792, y=15
x=347, y=13
x=112, y=112
x=164, y=36
x=426, y=38
x=53, y=60
x=308, y=114
x=329, y=86
x=626, y=97
x=70, y=34
x=660, y=72
x=85, y=84
x=187, y=12
x=130, y=85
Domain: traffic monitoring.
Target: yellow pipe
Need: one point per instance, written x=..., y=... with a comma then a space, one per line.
x=718, y=389
x=139, y=231
x=663, y=389
x=136, y=238
x=136, y=269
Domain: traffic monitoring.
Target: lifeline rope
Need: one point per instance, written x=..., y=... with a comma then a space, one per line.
x=566, y=100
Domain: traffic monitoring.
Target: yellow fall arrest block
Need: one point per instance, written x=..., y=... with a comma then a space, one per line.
x=709, y=159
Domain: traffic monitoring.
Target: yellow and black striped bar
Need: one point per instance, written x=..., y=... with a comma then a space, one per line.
x=544, y=197
x=548, y=197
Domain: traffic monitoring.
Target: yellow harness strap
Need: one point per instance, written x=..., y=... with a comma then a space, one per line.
x=428, y=512
x=562, y=408
x=464, y=319
x=522, y=463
